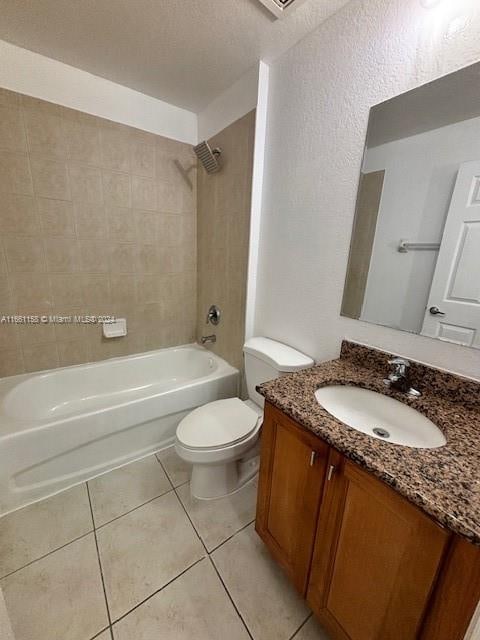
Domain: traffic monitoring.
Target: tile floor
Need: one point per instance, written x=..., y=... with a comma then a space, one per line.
x=131, y=556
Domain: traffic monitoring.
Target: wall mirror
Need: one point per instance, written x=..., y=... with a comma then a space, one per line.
x=414, y=261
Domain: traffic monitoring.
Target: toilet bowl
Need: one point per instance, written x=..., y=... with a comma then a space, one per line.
x=221, y=439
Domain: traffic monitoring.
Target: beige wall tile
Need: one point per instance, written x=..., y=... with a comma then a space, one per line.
x=117, y=189
x=11, y=362
x=122, y=258
x=56, y=217
x=62, y=255
x=142, y=158
x=223, y=234
x=85, y=183
x=81, y=232
x=71, y=353
x=83, y=141
x=144, y=193
x=97, y=294
x=31, y=292
x=50, y=178
x=24, y=254
x=12, y=132
x=94, y=255
x=121, y=224
x=15, y=174
x=45, y=134
x=32, y=334
x=90, y=220
x=114, y=140
x=41, y=356
x=18, y=215
x=9, y=98
x=67, y=290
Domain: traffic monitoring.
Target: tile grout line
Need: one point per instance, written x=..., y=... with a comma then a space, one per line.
x=292, y=637
x=212, y=562
x=127, y=613
x=99, y=560
x=104, y=524
x=232, y=536
x=45, y=555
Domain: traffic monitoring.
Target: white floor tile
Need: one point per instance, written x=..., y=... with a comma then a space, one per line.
x=34, y=531
x=193, y=606
x=123, y=489
x=217, y=520
x=145, y=549
x=269, y=604
x=177, y=470
x=312, y=631
x=59, y=597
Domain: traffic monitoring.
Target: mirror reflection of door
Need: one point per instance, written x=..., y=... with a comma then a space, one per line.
x=453, y=308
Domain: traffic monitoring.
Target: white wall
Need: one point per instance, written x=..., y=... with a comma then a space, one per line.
x=229, y=106
x=41, y=77
x=320, y=95
x=420, y=175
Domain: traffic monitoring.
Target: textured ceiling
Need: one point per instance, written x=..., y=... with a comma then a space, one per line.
x=183, y=51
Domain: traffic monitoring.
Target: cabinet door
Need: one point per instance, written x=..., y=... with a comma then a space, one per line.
x=292, y=469
x=375, y=560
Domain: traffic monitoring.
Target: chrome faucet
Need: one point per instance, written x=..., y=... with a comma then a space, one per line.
x=399, y=378
x=205, y=339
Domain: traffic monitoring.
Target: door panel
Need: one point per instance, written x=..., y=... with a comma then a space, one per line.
x=455, y=289
x=375, y=559
x=292, y=473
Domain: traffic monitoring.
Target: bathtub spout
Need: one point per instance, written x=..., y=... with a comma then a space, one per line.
x=205, y=339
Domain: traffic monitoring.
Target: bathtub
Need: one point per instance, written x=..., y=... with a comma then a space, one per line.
x=64, y=426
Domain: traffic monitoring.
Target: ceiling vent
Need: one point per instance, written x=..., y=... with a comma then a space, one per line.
x=280, y=8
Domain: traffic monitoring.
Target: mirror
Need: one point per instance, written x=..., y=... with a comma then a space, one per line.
x=414, y=261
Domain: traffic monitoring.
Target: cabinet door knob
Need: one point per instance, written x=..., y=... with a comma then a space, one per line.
x=331, y=471
x=313, y=457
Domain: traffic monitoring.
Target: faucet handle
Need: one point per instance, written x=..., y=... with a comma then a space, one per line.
x=400, y=362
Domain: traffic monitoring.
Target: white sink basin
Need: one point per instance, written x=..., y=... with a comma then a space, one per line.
x=380, y=416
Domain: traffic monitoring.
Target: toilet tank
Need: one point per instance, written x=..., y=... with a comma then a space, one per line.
x=267, y=359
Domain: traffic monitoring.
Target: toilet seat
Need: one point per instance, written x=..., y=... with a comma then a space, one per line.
x=217, y=425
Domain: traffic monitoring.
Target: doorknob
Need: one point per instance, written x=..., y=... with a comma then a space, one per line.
x=435, y=311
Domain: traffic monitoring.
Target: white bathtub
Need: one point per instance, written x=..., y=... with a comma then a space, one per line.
x=61, y=427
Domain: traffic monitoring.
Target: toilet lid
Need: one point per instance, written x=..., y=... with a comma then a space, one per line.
x=217, y=424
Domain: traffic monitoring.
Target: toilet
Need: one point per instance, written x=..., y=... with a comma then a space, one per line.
x=221, y=439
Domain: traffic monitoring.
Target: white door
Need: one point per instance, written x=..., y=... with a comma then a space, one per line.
x=453, y=309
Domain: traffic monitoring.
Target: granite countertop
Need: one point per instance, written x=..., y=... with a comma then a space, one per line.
x=444, y=482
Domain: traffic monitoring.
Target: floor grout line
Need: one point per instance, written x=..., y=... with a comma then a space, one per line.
x=100, y=562
x=292, y=637
x=45, y=555
x=133, y=509
x=230, y=597
x=245, y=526
x=157, y=591
x=100, y=633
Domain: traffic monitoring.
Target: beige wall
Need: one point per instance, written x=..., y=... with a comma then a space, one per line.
x=95, y=218
x=222, y=237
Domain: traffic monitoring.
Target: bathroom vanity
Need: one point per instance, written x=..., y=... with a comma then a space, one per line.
x=381, y=539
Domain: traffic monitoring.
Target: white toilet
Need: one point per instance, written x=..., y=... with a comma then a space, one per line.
x=221, y=439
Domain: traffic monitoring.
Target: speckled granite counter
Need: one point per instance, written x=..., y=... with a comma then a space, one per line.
x=444, y=482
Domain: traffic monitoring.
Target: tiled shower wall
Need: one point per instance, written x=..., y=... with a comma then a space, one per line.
x=95, y=218
x=223, y=237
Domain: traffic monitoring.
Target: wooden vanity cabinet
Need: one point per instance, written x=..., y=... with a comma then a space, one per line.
x=375, y=560
x=292, y=471
x=371, y=565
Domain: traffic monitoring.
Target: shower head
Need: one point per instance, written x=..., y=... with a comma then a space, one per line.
x=208, y=157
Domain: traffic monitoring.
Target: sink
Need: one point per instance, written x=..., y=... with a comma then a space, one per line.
x=380, y=416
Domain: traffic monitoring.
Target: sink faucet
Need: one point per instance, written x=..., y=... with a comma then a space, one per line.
x=205, y=339
x=399, y=378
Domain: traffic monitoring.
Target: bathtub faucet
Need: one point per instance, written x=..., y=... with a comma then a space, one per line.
x=205, y=339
